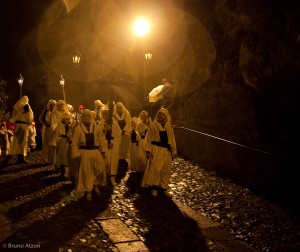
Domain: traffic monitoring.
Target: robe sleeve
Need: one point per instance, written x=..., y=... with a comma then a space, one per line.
x=128, y=126
x=117, y=134
x=100, y=138
x=15, y=115
x=53, y=121
x=148, y=138
x=55, y=136
x=30, y=115
x=75, y=143
x=71, y=132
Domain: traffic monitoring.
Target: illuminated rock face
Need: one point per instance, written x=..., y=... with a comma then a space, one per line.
x=242, y=83
x=250, y=96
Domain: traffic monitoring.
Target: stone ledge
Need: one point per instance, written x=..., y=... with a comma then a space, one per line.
x=136, y=246
x=201, y=220
x=118, y=231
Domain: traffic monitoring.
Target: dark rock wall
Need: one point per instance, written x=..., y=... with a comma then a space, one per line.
x=238, y=79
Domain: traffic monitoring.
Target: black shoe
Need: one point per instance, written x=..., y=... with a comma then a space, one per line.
x=73, y=181
x=56, y=168
x=62, y=171
x=21, y=159
x=24, y=161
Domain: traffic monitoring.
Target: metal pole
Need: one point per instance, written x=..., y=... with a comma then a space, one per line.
x=20, y=81
x=145, y=80
x=62, y=83
x=64, y=94
x=44, y=86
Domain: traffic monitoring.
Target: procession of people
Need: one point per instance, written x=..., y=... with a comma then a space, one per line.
x=89, y=147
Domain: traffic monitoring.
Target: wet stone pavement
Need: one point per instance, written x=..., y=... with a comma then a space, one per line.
x=41, y=212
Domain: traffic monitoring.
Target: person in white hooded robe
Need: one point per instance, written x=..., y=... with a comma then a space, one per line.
x=99, y=106
x=22, y=116
x=44, y=119
x=89, y=147
x=73, y=164
x=32, y=136
x=138, y=159
x=72, y=113
x=59, y=109
x=5, y=136
x=137, y=155
x=142, y=128
x=123, y=118
x=113, y=135
x=160, y=149
x=62, y=143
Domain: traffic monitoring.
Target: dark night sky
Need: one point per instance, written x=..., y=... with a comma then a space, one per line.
x=18, y=18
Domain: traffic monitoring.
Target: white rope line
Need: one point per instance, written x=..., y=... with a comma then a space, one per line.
x=241, y=145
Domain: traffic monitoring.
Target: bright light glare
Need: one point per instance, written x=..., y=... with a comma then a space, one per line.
x=141, y=27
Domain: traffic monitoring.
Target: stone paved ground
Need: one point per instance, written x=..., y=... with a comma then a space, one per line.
x=206, y=213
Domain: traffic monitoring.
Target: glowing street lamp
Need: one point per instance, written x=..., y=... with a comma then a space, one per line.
x=76, y=58
x=148, y=57
x=62, y=83
x=141, y=27
x=21, y=81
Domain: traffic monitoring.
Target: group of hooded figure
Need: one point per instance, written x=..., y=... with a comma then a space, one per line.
x=93, y=144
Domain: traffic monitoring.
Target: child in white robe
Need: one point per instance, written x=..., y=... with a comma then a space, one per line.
x=160, y=148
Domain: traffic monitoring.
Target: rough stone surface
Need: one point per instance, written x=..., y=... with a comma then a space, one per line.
x=206, y=213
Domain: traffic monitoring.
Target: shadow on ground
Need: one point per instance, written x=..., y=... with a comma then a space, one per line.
x=56, y=232
x=19, y=212
x=26, y=185
x=21, y=168
x=169, y=228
